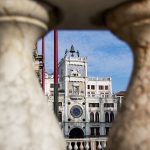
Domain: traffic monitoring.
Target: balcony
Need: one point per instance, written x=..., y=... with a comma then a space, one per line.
x=100, y=124
x=76, y=97
x=86, y=143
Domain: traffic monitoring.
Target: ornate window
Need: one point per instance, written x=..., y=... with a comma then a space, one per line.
x=91, y=117
x=97, y=131
x=97, y=117
x=111, y=117
x=92, y=87
x=92, y=131
x=106, y=87
x=107, y=130
x=101, y=87
x=106, y=117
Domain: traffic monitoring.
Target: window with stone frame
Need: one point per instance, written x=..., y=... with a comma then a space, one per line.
x=93, y=94
x=102, y=95
x=96, y=117
x=93, y=87
x=93, y=104
x=107, y=130
x=92, y=131
x=101, y=87
x=91, y=117
x=106, y=117
x=106, y=87
x=106, y=95
x=111, y=117
x=97, y=131
x=108, y=104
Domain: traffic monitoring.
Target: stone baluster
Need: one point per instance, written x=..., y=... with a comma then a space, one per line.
x=87, y=146
x=104, y=144
x=131, y=22
x=99, y=145
x=75, y=146
x=93, y=144
x=81, y=146
x=26, y=123
x=69, y=146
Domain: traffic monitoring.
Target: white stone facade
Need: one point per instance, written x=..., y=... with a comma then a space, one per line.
x=87, y=106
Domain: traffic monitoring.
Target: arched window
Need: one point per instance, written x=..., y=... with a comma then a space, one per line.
x=111, y=117
x=91, y=117
x=97, y=117
x=106, y=117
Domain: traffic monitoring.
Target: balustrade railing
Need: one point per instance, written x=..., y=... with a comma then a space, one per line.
x=86, y=144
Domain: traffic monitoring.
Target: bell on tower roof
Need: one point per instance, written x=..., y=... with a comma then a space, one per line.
x=72, y=50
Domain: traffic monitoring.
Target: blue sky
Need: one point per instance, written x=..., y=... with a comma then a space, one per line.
x=107, y=55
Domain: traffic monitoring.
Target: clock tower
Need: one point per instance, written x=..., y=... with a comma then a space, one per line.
x=73, y=79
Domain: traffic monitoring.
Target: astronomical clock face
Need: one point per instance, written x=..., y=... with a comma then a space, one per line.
x=76, y=111
x=76, y=68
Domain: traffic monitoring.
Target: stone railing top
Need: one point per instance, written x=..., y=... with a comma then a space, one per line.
x=76, y=14
x=88, y=139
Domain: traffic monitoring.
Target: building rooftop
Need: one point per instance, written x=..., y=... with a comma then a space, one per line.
x=99, y=79
x=121, y=93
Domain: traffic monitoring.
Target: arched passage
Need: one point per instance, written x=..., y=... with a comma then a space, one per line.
x=76, y=133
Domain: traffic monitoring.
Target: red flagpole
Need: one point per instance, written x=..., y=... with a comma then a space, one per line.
x=56, y=73
x=55, y=57
x=43, y=65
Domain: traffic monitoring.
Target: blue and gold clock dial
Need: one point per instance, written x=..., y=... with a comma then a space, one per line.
x=76, y=111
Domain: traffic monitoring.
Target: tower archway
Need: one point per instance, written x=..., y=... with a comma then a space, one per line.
x=76, y=133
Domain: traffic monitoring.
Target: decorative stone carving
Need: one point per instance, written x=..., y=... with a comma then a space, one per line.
x=25, y=121
x=131, y=22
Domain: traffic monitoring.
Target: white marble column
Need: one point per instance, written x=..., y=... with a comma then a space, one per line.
x=26, y=123
x=131, y=129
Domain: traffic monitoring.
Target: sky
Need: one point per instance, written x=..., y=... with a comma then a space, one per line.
x=107, y=55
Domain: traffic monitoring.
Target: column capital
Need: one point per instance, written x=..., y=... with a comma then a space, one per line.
x=130, y=22
x=35, y=12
